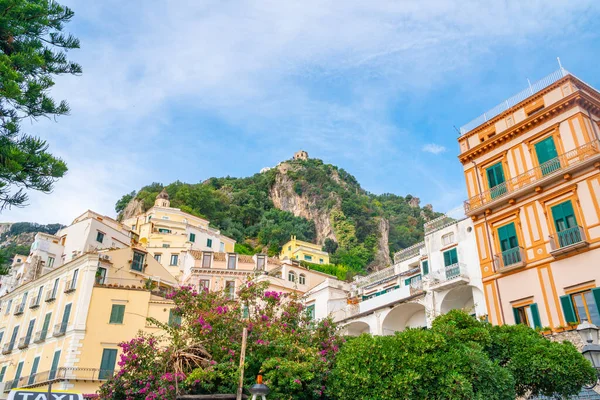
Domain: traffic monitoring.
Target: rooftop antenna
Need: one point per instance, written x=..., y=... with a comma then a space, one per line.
x=456, y=129
x=530, y=88
x=560, y=66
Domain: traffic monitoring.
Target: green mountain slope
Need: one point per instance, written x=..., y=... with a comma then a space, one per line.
x=315, y=201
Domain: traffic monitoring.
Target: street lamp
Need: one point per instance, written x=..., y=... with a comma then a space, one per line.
x=259, y=389
x=591, y=350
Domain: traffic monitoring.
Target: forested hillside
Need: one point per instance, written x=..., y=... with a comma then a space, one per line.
x=316, y=202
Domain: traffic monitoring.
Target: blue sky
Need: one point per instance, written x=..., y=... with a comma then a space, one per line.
x=216, y=88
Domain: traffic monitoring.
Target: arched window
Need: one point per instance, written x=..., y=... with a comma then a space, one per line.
x=302, y=279
x=292, y=276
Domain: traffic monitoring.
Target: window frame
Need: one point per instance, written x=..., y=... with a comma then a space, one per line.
x=140, y=261
x=100, y=236
x=291, y=276
x=209, y=243
x=174, y=257
x=192, y=237
x=117, y=314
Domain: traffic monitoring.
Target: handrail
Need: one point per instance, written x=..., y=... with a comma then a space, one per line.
x=514, y=100
x=510, y=259
x=567, y=237
x=529, y=178
x=382, y=274
x=408, y=252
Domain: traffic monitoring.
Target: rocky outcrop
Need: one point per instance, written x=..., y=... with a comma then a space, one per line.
x=285, y=198
x=135, y=207
x=382, y=255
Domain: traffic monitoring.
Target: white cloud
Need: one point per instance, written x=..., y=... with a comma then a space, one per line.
x=258, y=66
x=433, y=148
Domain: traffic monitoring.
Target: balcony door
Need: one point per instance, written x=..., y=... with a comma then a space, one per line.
x=509, y=244
x=547, y=156
x=495, y=177
x=567, y=230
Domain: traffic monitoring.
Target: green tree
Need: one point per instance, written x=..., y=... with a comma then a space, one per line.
x=123, y=201
x=458, y=358
x=32, y=52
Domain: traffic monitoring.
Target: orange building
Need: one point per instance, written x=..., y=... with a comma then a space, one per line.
x=532, y=169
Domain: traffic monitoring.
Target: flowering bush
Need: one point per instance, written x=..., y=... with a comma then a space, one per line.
x=201, y=356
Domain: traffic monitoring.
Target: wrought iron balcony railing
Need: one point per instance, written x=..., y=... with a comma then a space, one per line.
x=568, y=239
x=35, y=302
x=544, y=172
x=70, y=286
x=510, y=259
x=60, y=329
x=59, y=374
x=50, y=295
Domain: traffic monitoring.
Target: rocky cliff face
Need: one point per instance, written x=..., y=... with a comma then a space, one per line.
x=382, y=254
x=285, y=198
x=134, y=207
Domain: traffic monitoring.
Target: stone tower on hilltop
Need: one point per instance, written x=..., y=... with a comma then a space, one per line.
x=301, y=155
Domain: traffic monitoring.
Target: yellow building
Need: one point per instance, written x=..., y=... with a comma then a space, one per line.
x=532, y=173
x=64, y=326
x=304, y=251
x=169, y=233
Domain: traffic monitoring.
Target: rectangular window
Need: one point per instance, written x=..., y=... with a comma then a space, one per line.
x=413, y=279
x=29, y=334
x=107, y=364
x=39, y=296
x=547, y=156
x=8, y=307
x=320, y=261
x=260, y=262
x=448, y=239
x=567, y=230
x=425, y=267
x=450, y=257
x=55, y=288
x=582, y=305
x=117, y=314
x=192, y=237
x=54, y=367
x=509, y=244
x=137, y=264
x=2, y=373
x=99, y=237
x=289, y=248
x=174, y=318
x=231, y=261
x=74, y=280
x=310, y=311
x=221, y=247
x=230, y=289
x=208, y=242
x=174, y=259
x=66, y=316
x=165, y=217
x=13, y=338
x=204, y=284
x=495, y=177
x=528, y=315
x=18, y=374
x=50, y=262
x=164, y=230
x=307, y=257
x=34, y=368
x=206, y=260
x=166, y=245
x=100, y=276
x=157, y=257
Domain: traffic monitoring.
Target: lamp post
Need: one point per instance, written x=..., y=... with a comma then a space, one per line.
x=259, y=389
x=591, y=349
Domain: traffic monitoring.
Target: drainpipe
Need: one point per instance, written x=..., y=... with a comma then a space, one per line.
x=490, y=249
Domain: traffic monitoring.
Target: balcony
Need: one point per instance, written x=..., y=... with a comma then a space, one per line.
x=19, y=309
x=568, y=240
x=40, y=336
x=383, y=298
x=543, y=174
x=60, y=329
x=451, y=276
x=50, y=296
x=510, y=259
x=376, y=277
x=8, y=348
x=24, y=342
x=59, y=374
x=70, y=286
x=35, y=302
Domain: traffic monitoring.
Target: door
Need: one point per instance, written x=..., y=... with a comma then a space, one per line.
x=547, y=156
x=45, y=326
x=34, y=368
x=18, y=375
x=65, y=319
x=29, y=331
x=107, y=365
x=495, y=176
x=567, y=230
x=509, y=244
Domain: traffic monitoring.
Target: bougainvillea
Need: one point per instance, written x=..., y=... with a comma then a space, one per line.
x=201, y=355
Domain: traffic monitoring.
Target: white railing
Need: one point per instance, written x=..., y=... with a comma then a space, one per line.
x=514, y=100
x=409, y=252
x=448, y=273
x=375, y=276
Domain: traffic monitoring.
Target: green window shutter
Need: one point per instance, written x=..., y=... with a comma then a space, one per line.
x=192, y=237
x=66, y=314
x=447, y=259
x=107, y=364
x=507, y=236
x=34, y=368
x=516, y=314
x=545, y=150
x=407, y=282
x=450, y=257
x=54, y=367
x=596, y=294
x=46, y=324
x=495, y=175
x=564, y=216
x=537, y=322
x=2, y=373
x=18, y=374
x=568, y=309
x=117, y=313
x=425, y=267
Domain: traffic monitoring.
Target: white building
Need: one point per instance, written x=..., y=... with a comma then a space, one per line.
x=428, y=279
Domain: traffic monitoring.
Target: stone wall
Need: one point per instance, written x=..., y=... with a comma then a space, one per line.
x=570, y=336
